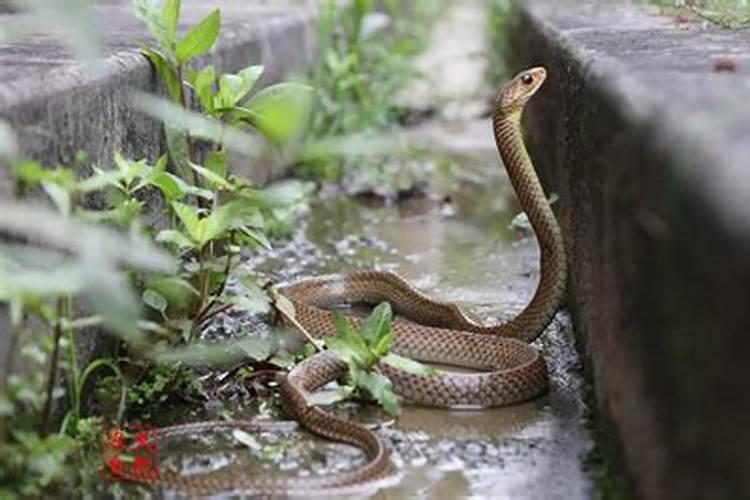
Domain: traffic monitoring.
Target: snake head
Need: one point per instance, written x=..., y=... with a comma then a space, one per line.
x=519, y=90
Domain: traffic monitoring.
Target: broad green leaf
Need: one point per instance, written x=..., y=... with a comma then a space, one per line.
x=280, y=112
x=154, y=300
x=188, y=215
x=171, y=15
x=200, y=38
x=216, y=162
x=180, y=295
x=408, y=365
x=175, y=237
x=215, y=180
x=258, y=237
x=168, y=184
x=377, y=325
x=234, y=88
x=381, y=389
x=166, y=72
x=32, y=173
x=351, y=340
x=347, y=352
x=383, y=343
x=99, y=180
x=148, y=12
x=204, y=87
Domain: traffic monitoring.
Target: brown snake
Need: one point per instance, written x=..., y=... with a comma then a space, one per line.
x=427, y=330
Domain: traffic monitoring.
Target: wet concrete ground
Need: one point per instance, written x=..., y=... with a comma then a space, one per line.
x=463, y=250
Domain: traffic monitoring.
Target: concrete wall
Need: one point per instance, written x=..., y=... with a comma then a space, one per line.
x=646, y=141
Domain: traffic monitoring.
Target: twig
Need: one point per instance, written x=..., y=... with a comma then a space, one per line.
x=52, y=374
x=296, y=324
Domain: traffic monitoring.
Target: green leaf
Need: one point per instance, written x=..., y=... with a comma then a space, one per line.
x=280, y=112
x=215, y=180
x=349, y=341
x=166, y=72
x=188, y=215
x=381, y=389
x=258, y=237
x=100, y=180
x=171, y=15
x=216, y=162
x=176, y=238
x=377, y=325
x=148, y=12
x=200, y=38
x=383, y=343
x=409, y=365
x=154, y=300
x=234, y=88
x=32, y=173
x=180, y=295
x=204, y=87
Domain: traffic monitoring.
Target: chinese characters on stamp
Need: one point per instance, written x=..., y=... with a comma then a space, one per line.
x=130, y=451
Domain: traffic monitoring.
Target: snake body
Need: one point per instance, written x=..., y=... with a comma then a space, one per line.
x=428, y=330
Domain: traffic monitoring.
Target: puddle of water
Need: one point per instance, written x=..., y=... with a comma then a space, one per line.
x=463, y=252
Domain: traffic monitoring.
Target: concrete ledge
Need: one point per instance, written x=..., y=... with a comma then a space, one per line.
x=647, y=145
x=59, y=107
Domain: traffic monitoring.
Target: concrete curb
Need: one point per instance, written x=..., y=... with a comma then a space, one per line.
x=646, y=144
x=59, y=107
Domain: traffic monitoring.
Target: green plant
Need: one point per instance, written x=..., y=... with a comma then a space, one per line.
x=72, y=276
x=362, y=351
x=363, y=61
x=730, y=14
x=70, y=263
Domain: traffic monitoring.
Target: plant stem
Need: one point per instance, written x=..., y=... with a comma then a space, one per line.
x=52, y=375
x=73, y=373
x=227, y=267
x=14, y=333
x=210, y=314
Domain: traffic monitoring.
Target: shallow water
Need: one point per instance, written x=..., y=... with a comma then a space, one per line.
x=462, y=250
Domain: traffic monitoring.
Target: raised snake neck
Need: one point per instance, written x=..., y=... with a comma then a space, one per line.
x=430, y=331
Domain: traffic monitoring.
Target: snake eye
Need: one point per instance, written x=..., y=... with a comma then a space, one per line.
x=527, y=79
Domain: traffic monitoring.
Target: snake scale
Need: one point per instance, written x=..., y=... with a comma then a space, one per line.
x=510, y=370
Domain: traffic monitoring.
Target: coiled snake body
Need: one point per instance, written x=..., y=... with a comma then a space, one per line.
x=430, y=331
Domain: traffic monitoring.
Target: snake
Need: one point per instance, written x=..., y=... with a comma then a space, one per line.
x=507, y=370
